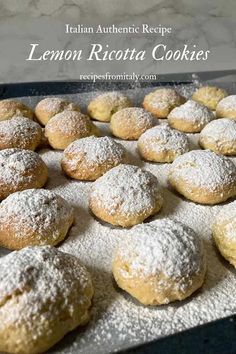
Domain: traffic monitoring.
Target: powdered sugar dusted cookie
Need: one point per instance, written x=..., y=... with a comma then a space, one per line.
x=68, y=126
x=162, y=144
x=160, y=262
x=34, y=217
x=20, y=169
x=103, y=106
x=130, y=123
x=10, y=108
x=126, y=195
x=210, y=96
x=20, y=132
x=204, y=177
x=161, y=101
x=219, y=136
x=226, y=108
x=50, y=106
x=44, y=294
x=224, y=232
x=191, y=117
x=89, y=158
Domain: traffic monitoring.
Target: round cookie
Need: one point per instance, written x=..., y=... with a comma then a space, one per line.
x=224, y=232
x=44, y=294
x=50, y=106
x=191, y=117
x=20, y=132
x=68, y=126
x=203, y=177
x=162, y=144
x=34, y=217
x=160, y=262
x=209, y=96
x=130, y=123
x=89, y=158
x=105, y=105
x=161, y=101
x=10, y=108
x=125, y=196
x=226, y=108
x=219, y=136
x=20, y=169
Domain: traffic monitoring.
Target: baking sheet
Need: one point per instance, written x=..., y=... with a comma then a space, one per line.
x=118, y=321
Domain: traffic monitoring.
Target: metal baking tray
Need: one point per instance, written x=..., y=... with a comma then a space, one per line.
x=214, y=337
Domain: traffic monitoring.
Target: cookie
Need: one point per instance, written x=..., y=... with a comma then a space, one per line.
x=130, y=123
x=162, y=144
x=89, y=158
x=20, y=132
x=44, y=294
x=224, y=232
x=209, y=96
x=203, y=177
x=50, y=106
x=10, y=108
x=105, y=105
x=68, y=126
x=34, y=217
x=191, y=117
x=161, y=101
x=219, y=136
x=159, y=262
x=125, y=196
x=226, y=108
x=20, y=169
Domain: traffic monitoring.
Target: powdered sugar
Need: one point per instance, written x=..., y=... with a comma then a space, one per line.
x=204, y=169
x=162, y=98
x=227, y=217
x=209, y=92
x=10, y=108
x=127, y=188
x=220, y=131
x=228, y=102
x=163, y=138
x=161, y=247
x=118, y=321
x=112, y=98
x=16, y=164
x=38, y=210
x=134, y=116
x=94, y=151
x=54, y=105
x=68, y=122
x=20, y=129
x=192, y=111
x=104, y=105
x=45, y=281
x=209, y=96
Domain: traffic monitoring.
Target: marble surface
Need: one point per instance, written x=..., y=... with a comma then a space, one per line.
x=210, y=24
